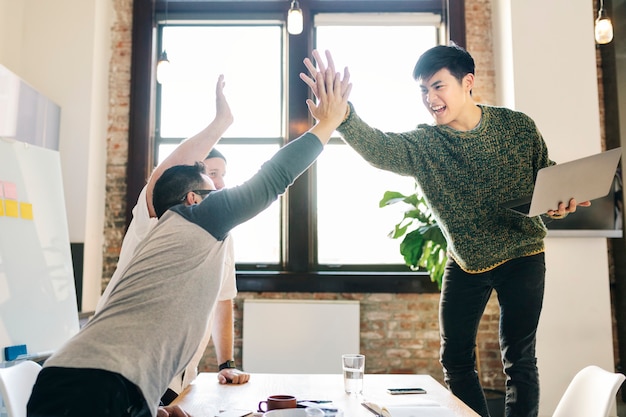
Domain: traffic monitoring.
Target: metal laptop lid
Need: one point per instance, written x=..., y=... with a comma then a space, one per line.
x=584, y=179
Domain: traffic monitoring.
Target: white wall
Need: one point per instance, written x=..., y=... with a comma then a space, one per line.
x=62, y=48
x=11, y=22
x=551, y=75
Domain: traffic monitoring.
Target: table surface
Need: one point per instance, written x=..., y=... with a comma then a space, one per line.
x=205, y=395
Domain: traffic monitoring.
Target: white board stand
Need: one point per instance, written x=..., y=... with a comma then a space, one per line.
x=38, y=305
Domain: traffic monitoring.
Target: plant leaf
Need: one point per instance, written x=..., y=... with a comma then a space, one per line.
x=398, y=231
x=433, y=233
x=424, y=247
x=411, y=248
x=391, y=197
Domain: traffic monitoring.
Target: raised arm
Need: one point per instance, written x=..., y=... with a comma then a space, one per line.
x=198, y=146
x=221, y=211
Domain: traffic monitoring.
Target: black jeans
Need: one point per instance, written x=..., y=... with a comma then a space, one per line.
x=76, y=392
x=519, y=284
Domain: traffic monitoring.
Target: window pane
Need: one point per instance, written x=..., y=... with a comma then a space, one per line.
x=352, y=229
x=257, y=241
x=381, y=61
x=198, y=54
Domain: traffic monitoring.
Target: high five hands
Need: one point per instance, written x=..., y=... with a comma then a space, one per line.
x=330, y=89
x=323, y=70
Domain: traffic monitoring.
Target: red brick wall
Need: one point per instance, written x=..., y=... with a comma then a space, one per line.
x=117, y=136
x=399, y=333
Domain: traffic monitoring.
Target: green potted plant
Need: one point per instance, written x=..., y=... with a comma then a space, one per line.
x=423, y=246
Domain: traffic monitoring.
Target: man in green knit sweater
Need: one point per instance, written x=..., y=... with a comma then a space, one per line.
x=471, y=159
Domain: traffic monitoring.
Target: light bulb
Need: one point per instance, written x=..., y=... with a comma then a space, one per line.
x=604, y=29
x=163, y=68
x=294, y=19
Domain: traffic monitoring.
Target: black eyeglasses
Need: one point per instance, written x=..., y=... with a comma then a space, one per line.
x=201, y=193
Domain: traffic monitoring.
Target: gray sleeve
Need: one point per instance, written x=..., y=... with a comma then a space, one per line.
x=222, y=210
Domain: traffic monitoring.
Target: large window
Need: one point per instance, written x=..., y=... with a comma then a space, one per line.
x=380, y=51
x=329, y=220
x=198, y=53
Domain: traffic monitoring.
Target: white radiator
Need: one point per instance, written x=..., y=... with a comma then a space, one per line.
x=298, y=336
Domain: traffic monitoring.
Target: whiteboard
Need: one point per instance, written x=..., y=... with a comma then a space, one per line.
x=37, y=295
x=299, y=336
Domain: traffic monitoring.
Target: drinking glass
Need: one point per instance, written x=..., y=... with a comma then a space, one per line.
x=353, y=369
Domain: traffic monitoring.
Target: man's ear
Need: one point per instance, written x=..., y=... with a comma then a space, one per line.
x=190, y=198
x=468, y=82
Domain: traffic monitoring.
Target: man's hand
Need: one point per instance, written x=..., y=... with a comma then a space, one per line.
x=564, y=210
x=312, y=80
x=222, y=109
x=232, y=376
x=172, y=411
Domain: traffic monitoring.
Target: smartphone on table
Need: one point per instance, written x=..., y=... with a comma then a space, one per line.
x=400, y=391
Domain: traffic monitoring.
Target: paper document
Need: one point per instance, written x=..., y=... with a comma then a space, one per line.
x=421, y=409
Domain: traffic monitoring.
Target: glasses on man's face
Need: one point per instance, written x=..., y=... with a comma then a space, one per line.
x=201, y=193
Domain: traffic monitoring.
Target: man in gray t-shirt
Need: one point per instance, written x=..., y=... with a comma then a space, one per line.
x=121, y=362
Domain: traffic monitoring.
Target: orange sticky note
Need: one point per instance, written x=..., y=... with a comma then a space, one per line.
x=11, y=208
x=26, y=210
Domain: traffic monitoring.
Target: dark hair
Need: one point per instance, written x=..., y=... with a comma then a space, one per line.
x=215, y=154
x=454, y=58
x=175, y=182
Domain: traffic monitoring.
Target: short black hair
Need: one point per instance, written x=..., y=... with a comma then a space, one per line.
x=215, y=154
x=175, y=182
x=452, y=57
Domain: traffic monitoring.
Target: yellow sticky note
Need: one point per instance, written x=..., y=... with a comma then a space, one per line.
x=1, y=207
x=26, y=210
x=11, y=208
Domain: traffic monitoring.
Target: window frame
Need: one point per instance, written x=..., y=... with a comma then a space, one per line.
x=299, y=272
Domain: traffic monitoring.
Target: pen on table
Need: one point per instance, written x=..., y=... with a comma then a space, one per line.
x=315, y=401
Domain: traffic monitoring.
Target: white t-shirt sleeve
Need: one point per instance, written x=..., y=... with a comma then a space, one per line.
x=140, y=225
x=228, y=290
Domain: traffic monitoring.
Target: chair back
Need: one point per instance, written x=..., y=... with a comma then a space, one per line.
x=16, y=385
x=590, y=394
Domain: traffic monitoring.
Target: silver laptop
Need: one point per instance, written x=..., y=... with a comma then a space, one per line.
x=584, y=179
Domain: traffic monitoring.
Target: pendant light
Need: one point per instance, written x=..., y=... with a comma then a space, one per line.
x=294, y=19
x=163, y=63
x=163, y=68
x=604, y=27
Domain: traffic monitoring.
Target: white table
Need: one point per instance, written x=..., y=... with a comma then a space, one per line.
x=205, y=394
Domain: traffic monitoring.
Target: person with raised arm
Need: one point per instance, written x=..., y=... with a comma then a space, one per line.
x=149, y=328
x=471, y=158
